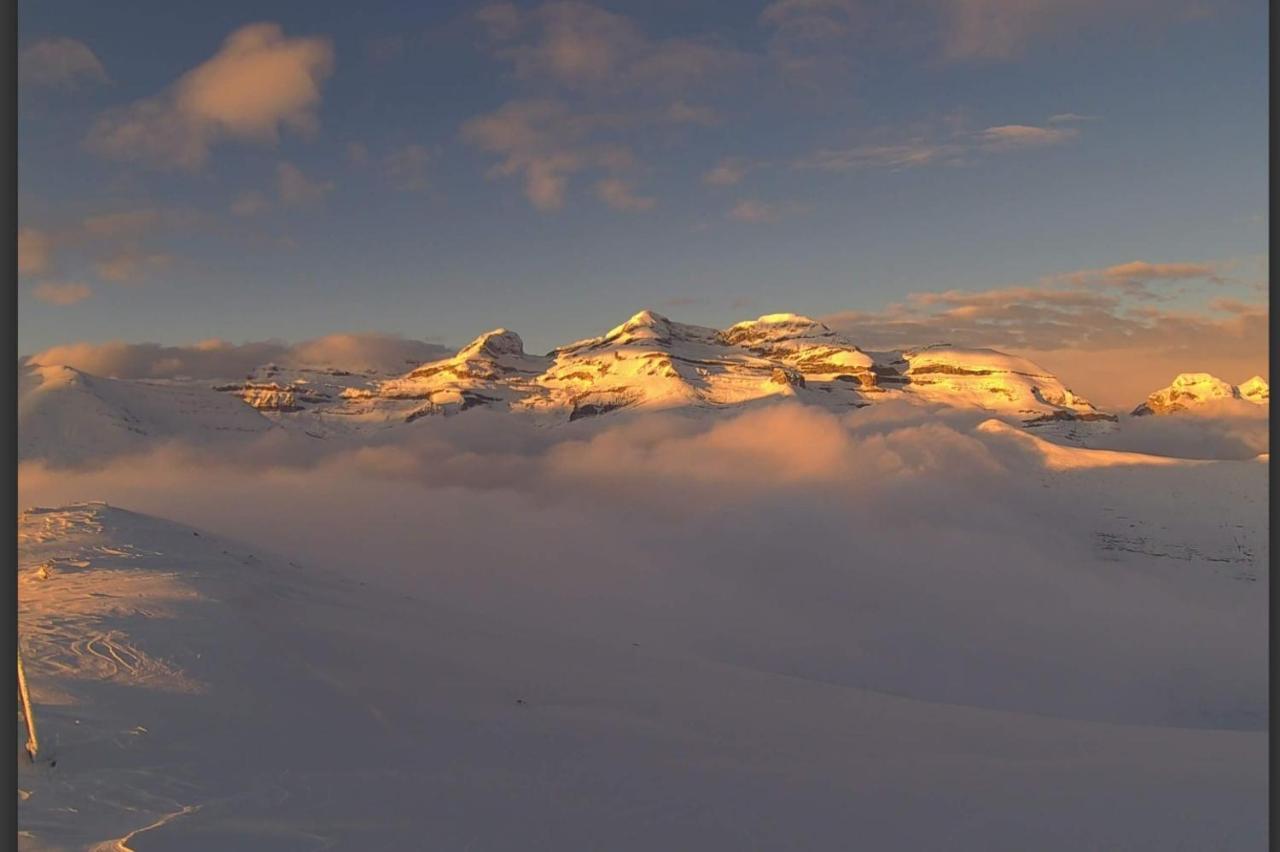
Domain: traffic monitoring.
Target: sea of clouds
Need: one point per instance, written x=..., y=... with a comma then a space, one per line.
x=895, y=548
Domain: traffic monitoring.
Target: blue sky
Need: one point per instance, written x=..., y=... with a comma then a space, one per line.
x=869, y=151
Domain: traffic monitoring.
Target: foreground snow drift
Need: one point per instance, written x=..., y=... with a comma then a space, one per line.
x=199, y=694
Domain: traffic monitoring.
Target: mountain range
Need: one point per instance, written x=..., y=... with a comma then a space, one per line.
x=649, y=362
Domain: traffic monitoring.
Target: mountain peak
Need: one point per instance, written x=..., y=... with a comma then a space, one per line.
x=646, y=323
x=1255, y=389
x=494, y=344
x=1189, y=390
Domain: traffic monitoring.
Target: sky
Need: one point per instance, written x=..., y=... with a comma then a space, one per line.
x=1075, y=179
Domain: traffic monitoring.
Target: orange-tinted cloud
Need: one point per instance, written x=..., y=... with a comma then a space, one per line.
x=35, y=251
x=61, y=293
x=546, y=142
x=258, y=83
x=581, y=46
x=1104, y=331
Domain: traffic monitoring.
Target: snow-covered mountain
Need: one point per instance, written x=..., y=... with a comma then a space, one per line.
x=69, y=415
x=1190, y=391
x=648, y=362
x=651, y=361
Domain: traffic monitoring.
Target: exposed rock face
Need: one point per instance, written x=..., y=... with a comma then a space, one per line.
x=275, y=397
x=1194, y=390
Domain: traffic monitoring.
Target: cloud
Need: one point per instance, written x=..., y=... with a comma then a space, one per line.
x=249, y=203
x=1101, y=330
x=728, y=172
x=957, y=147
x=683, y=113
x=295, y=188
x=502, y=21
x=259, y=83
x=218, y=359
x=131, y=264
x=583, y=47
x=61, y=293
x=546, y=143
x=384, y=353
x=752, y=210
x=903, y=155
x=1008, y=137
x=124, y=223
x=813, y=40
x=60, y=63
x=755, y=212
x=619, y=195
x=1069, y=118
x=853, y=552
x=406, y=168
x=119, y=244
x=358, y=153
x=35, y=252
x=1001, y=30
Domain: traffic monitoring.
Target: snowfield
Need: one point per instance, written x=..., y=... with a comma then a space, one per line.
x=668, y=587
x=658, y=654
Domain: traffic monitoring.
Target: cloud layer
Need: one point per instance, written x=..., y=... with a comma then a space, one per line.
x=220, y=359
x=896, y=549
x=1111, y=333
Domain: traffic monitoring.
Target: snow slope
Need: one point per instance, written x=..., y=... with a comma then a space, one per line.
x=196, y=693
x=72, y=416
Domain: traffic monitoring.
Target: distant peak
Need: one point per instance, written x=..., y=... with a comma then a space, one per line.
x=648, y=318
x=786, y=319
x=1183, y=380
x=1255, y=389
x=649, y=323
x=494, y=343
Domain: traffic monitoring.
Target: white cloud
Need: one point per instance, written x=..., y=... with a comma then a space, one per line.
x=959, y=146
x=1008, y=137
x=258, y=83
